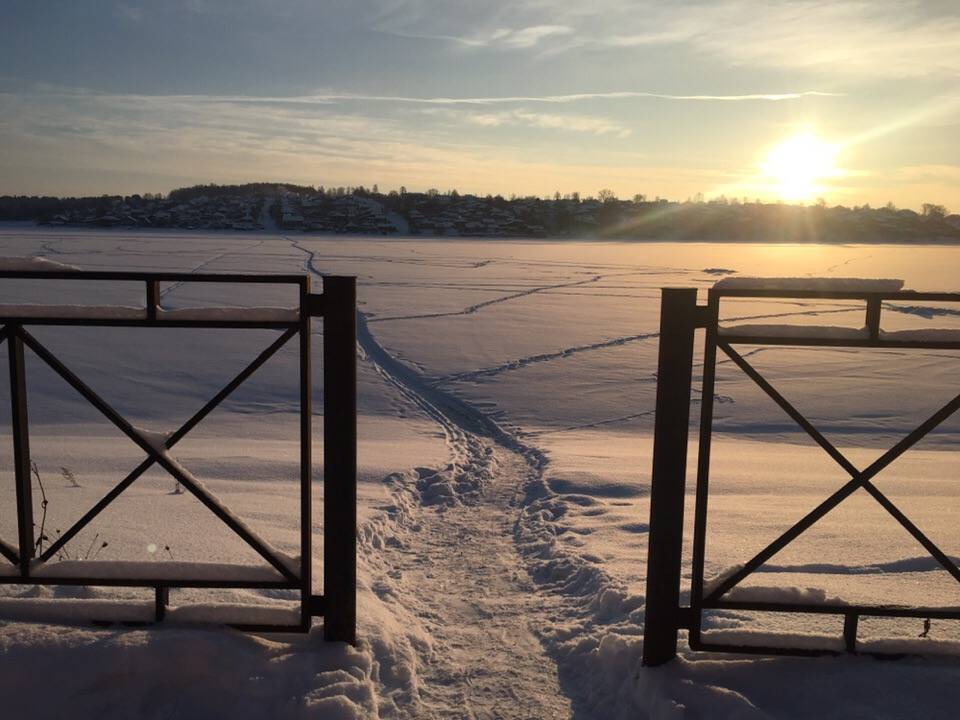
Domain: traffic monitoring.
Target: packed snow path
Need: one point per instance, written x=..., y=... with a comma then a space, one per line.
x=458, y=572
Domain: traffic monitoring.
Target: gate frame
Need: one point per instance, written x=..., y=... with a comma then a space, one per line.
x=337, y=306
x=680, y=317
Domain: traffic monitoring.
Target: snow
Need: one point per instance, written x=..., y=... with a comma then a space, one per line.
x=18, y=264
x=922, y=335
x=806, y=332
x=798, y=641
x=818, y=284
x=89, y=312
x=782, y=594
x=249, y=314
x=169, y=570
x=506, y=397
x=111, y=312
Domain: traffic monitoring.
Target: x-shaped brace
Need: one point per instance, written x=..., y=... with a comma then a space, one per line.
x=858, y=479
x=158, y=455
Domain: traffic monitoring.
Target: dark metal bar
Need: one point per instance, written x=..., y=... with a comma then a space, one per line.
x=153, y=299
x=184, y=582
x=912, y=439
x=859, y=478
x=171, y=441
x=873, y=317
x=785, y=539
x=146, y=322
x=785, y=405
x=765, y=650
x=161, y=600
x=228, y=389
x=306, y=459
x=850, y=621
x=21, y=450
x=903, y=295
x=9, y=552
x=340, y=458
x=314, y=304
x=160, y=457
x=910, y=527
x=705, y=436
x=268, y=628
x=133, y=276
x=937, y=613
x=678, y=311
x=852, y=342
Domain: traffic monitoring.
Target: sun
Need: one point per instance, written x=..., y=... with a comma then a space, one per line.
x=795, y=168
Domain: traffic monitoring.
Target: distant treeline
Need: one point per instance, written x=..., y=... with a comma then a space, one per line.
x=33, y=207
x=212, y=190
x=452, y=213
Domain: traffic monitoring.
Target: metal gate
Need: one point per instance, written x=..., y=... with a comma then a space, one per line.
x=680, y=317
x=337, y=307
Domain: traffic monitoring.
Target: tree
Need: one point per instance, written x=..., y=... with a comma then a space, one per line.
x=606, y=195
x=639, y=198
x=934, y=212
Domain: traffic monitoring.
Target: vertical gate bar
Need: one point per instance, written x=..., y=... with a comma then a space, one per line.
x=678, y=311
x=306, y=460
x=850, y=621
x=153, y=299
x=161, y=599
x=340, y=459
x=705, y=437
x=21, y=448
x=873, y=317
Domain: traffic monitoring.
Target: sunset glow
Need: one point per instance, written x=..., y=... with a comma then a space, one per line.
x=796, y=168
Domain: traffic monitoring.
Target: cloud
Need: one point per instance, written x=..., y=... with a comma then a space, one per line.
x=530, y=36
x=326, y=98
x=880, y=38
x=544, y=121
x=511, y=38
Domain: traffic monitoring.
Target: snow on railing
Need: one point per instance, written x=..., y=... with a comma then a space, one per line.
x=803, y=284
x=120, y=312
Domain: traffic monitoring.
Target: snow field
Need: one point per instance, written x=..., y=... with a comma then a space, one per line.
x=517, y=379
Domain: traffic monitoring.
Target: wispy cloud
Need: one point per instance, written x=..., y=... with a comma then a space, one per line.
x=327, y=98
x=881, y=38
x=505, y=37
x=544, y=121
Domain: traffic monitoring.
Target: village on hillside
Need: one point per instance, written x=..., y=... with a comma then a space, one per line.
x=358, y=211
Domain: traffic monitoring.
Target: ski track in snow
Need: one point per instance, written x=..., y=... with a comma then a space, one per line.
x=470, y=310
x=209, y=261
x=497, y=522
x=516, y=626
x=510, y=365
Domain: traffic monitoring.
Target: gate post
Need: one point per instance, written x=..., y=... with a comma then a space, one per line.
x=678, y=322
x=340, y=459
x=21, y=449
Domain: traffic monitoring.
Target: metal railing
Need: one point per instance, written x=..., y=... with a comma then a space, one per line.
x=680, y=317
x=337, y=307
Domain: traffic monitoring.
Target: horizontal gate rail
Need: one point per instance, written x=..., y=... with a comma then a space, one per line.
x=337, y=305
x=665, y=617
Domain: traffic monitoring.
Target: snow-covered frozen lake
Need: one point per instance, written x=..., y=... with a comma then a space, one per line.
x=507, y=388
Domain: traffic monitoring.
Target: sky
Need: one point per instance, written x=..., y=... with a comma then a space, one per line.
x=526, y=97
